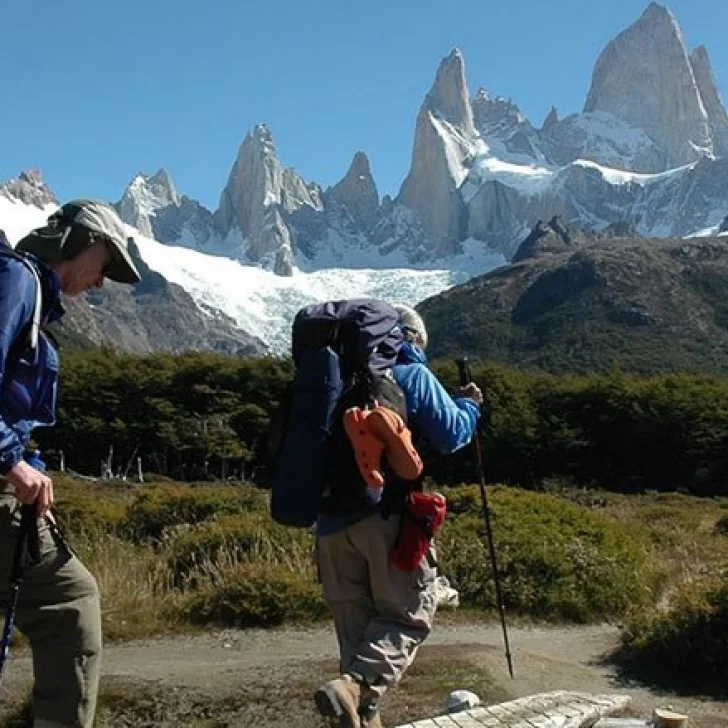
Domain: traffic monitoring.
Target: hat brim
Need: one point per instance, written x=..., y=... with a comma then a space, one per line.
x=122, y=268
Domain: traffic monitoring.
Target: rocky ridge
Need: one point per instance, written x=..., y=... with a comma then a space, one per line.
x=576, y=301
x=648, y=148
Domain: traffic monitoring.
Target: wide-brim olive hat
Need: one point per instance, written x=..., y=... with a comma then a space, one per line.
x=78, y=224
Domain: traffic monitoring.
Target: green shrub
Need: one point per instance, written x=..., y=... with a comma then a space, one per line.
x=158, y=507
x=88, y=514
x=684, y=647
x=255, y=595
x=251, y=537
x=721, y=527
x=556, y=560
x=89, y=506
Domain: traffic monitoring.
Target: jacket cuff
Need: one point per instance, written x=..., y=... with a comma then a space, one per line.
x=10, y=459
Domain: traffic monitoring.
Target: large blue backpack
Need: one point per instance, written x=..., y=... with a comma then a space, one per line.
x=343, y=352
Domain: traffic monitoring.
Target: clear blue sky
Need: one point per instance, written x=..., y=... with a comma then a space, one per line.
x=93, y=91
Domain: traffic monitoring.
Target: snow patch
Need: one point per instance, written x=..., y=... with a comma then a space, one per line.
x=529, y=179
x=264, y=304
x=18, y=219
x=622, y=177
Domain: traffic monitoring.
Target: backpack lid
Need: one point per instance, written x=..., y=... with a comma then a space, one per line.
x=364, y=332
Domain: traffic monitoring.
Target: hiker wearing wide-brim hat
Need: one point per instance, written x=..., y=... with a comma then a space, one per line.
x=78, y=226
x=51, y=597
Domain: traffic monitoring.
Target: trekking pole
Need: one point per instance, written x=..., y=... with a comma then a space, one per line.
x=28, y=521
x=466, y=379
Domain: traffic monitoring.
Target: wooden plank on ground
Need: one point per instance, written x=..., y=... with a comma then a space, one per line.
x=558, y=709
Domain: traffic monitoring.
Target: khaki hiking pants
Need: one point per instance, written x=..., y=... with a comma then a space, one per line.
x=382, y=615
x=59, y=612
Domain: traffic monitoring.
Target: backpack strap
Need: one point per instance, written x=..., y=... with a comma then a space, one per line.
x=31, y=332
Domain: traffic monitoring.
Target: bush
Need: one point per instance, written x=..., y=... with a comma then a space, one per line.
x=721, y=527
x=251, y=537
x=255, y=595
x=89, y=514
x=682, y=648
x=158, y=507
x=89, y=507
x=556, y=560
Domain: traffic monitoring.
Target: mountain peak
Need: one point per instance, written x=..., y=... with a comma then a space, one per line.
x=359, y=164
x=552, y=118
x=259, y=196
x=449, y=98
x=144, y=197
x=262, y=136
x=644, y=77
x=29, y=188
x=162, y=179
x=445, y=142
x=656, y=13
x=358, y=192
x=714, y=108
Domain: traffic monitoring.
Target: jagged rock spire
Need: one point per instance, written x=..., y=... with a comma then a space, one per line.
x=29, y=188
x=445, y=137
x=712, y=101
x=644, y=77
x=448, y=98
x=258, y=196
x=552, y=118
x=358, y=192
x=254, y=181
x=144, y=196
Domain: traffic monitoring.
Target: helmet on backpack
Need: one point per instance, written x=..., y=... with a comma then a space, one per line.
x=412, y=325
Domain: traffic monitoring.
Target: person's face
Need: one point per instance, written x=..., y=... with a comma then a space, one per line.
x=414, y=336
x=86, y=270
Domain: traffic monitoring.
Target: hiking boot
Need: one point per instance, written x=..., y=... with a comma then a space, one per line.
x=338, y=700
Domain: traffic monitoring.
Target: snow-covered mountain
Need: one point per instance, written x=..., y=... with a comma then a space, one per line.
x=238, y=308
x=648, y=151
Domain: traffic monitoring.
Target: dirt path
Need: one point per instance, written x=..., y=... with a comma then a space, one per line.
x=265, y=678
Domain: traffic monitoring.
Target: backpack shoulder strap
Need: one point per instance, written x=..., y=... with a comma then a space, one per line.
x=32, y=330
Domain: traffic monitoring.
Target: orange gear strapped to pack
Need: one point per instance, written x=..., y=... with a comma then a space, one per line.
x=379, y=430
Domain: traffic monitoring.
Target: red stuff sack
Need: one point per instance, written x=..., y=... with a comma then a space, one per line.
x=423, y=515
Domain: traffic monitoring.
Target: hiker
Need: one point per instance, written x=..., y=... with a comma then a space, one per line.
x=381, y=613
x=58, y=606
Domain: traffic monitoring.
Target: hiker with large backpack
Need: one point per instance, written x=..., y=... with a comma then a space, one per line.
x=346, y=460
x=50, y=595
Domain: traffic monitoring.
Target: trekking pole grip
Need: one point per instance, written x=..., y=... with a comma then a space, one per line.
x=464, y=371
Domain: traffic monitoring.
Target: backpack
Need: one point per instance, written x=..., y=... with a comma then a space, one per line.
x=343, y=352
x=28, y=338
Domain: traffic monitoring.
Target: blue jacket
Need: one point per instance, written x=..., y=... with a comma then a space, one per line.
x=28, y=377
x=447, y=423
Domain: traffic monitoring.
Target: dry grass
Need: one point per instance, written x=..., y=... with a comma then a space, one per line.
x=685, y=546
x=137, y=598
x=147, y=588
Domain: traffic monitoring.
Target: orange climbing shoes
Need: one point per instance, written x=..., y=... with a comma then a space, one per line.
x=381, y=430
